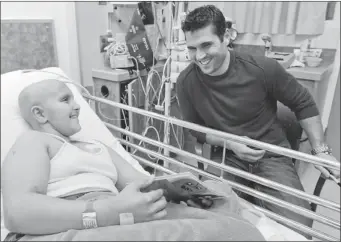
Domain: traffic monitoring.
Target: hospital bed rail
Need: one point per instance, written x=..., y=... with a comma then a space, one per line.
x=272, y=148
x=242, y=188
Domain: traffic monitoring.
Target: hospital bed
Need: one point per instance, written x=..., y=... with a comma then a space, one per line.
x=12, y=125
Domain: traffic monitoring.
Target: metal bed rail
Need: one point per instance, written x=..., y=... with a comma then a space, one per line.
x=260, y=180
x=311, y=198
x=254, y=143
x=274, y=216
x=272, y=148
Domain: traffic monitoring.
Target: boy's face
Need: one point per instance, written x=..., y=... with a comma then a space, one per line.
x=207, y=50
x=62, y=111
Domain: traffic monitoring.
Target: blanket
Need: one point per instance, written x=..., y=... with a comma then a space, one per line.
x=222, y=222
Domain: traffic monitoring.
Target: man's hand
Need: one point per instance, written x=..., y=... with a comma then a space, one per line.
x=323, y=170
x=246, y=153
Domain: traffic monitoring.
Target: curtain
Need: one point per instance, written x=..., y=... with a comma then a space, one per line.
x=301, y=18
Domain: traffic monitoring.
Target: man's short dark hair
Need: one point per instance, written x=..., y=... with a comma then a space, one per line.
x=203, y=16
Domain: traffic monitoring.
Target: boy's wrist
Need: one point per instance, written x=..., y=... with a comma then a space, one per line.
x=106, y=213
x=89, y=216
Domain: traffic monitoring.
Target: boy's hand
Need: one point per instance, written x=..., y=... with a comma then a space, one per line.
x=145, y=207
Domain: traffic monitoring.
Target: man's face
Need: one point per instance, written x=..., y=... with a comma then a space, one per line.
x=207, y=50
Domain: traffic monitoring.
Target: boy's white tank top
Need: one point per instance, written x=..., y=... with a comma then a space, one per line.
x=74, y=170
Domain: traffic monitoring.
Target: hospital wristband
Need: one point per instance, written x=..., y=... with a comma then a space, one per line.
x=89, y=216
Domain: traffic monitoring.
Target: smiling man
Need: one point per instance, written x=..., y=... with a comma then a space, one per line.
x=237, y=93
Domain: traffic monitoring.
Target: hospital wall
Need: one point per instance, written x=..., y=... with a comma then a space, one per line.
x=89, y=30
x=329, y=38
x=79, y=24
x=64, y=19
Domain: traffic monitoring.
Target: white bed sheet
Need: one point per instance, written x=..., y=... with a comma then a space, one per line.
x=270, y=229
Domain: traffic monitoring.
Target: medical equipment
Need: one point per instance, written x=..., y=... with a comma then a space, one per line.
x=92, y=127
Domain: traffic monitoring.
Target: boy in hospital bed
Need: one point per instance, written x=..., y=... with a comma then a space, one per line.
x=57, y=188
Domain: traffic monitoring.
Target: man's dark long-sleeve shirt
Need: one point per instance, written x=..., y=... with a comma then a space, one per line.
x=243, y=101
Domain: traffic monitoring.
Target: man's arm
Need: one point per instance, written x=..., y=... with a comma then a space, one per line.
x=284, y=87
x=187, y=109
x=314, y=130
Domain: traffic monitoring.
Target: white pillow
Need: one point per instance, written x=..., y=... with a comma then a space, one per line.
x=12, y=124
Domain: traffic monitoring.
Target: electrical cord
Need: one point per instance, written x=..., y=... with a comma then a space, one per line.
x=148, y=87
x=163, y=78
x=148, y=84
x=116, y=48
x=123, y=99
x=138, y=73
x=142, y=85
x=146, y=96
x=135, y=99
x=160, y=91
x=124, y=116
x=142, y=142
x=176, y=137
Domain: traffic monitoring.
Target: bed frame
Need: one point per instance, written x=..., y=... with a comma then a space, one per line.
x=165, y=168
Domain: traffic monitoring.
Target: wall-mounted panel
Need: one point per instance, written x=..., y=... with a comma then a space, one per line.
x=27, y=44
